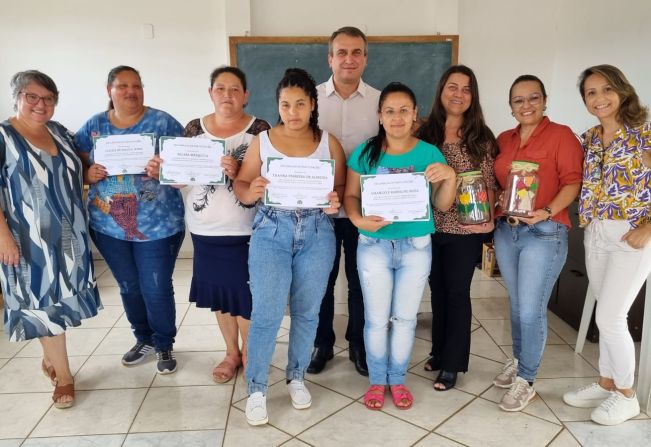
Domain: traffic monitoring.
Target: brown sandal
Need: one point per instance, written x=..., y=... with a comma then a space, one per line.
x=226, y=370
x=48, y=371
x=61, y=391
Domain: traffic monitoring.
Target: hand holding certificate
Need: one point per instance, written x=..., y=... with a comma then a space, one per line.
x=191, y=161
x=299, y=182
x=124, y=154
x=396, y=197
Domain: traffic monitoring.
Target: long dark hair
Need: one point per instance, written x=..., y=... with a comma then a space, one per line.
x=297, y=77
x=114, y=74
x=375, y=146
x=475, y=135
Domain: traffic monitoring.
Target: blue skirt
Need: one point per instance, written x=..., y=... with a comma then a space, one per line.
x=220, y=274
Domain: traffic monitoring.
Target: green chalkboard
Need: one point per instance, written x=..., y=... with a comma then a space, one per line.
x=417, y=61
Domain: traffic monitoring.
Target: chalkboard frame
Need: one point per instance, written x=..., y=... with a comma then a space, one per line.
x=249, y=42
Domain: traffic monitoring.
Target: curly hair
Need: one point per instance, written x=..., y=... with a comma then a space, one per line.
x=475, y=135
x=297, y=77
x=631, y=111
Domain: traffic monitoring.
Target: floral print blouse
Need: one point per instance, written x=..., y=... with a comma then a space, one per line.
x=616, y=183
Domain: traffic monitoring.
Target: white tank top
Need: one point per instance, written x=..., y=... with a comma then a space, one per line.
x=322, y=151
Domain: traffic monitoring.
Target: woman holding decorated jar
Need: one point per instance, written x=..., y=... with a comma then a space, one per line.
x=539, y=170
x=220, y=224
x=136, y=223
x=456, y=125
x=615, y=211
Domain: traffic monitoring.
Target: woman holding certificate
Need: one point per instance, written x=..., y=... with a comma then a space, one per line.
x=400, y=175
x=136, y=223
x=539, y=169
x=220, y=225
x=47, y=271
x=456, y=125
x=293, y=242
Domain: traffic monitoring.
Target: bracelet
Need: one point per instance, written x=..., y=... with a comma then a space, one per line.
x=549, y=211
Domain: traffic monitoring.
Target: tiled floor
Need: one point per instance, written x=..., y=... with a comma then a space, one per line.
x=118, y=406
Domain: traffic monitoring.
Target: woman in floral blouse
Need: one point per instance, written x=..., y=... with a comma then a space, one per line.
x=614, y=209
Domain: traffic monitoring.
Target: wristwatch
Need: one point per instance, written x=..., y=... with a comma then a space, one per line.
x=549, y=211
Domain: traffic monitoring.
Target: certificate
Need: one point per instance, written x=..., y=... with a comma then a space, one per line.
x=298, y=182
x=396, y=197
x=191, y=161
x=124, y=154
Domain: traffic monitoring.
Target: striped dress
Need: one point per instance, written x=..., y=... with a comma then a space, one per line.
x=41, y=197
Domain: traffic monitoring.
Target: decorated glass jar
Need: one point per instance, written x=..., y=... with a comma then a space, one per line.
x=521, y=186
x=472, y=199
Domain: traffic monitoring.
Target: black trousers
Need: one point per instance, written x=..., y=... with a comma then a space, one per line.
x=454, y=257
x=346, y=235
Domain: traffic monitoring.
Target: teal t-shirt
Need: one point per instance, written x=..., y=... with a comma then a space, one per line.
x=416, y=160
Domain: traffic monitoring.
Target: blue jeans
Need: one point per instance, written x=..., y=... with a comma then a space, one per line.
x=143, y=271
x=530, y=258
x=290, y=254
x=393, y=274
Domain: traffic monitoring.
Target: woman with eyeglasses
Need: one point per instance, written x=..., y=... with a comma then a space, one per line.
x=136, y=223
x=47, y=271
x=531, y=250
x=220, y=225
x=615, y=209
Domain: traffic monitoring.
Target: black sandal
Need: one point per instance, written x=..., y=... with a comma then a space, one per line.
x=432, y=364
x=446, y=378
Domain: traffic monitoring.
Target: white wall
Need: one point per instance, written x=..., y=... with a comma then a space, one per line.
x=554, y=40
x=374, y=17
x=77, y=42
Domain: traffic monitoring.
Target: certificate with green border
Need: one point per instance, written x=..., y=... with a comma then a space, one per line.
x=396, y=197
x=191, y=161
x=298, y=182
x=124, y=154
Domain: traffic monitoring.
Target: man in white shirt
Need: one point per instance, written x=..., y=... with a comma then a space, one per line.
x=347, y=109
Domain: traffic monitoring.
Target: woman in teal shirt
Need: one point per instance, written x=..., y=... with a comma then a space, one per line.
x=393, y=259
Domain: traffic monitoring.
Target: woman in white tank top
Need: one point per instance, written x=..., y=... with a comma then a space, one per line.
x=292, y=249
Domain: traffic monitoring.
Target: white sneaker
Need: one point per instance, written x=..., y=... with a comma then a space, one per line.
x=518, y=396
x=507, y=377
x=256, y=409
x=301, y=397
x=616, y=409
x=587, y=396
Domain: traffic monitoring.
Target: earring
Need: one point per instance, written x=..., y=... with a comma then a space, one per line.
x=380, y=122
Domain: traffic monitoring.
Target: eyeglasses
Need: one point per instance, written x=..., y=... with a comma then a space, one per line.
x=33, y=99
x=518, y=101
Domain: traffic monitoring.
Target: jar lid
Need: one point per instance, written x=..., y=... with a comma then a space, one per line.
x=524, y=165
x=469, y=173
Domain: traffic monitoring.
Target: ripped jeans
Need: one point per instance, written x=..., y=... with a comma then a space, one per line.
x=393, y=274
x=143, y=270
